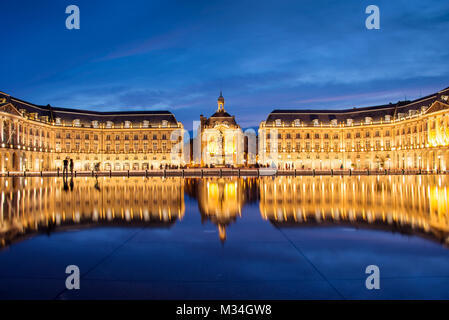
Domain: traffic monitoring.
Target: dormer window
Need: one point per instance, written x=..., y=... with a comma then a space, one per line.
x=368, y=120
x=334, y=122
x=127, y=124
x=278, y=122
x=58, y=121
x=77, y=123
x=316, y=122
x=164, y=123
x=423, y=108
x=349, y=122
x=296, y=123
x=94, y=124
x=401, y=115
x=387, y=118
x=445, y=98
x=109, y=124
x=146, y=124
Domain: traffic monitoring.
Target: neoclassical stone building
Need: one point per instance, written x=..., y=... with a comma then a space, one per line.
x=221, y=138
x=405, y=135
x=38, y=138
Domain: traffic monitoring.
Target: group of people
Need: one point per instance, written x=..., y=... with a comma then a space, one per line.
x=67, y=162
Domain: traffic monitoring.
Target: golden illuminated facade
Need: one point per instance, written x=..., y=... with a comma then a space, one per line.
x=39, y=138
x=406, y=135
x=409, y=135
x=221, y=139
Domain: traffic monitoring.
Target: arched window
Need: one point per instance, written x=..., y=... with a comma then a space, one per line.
x=278, y=122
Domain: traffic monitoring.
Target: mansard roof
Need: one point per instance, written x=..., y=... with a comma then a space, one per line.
x=377, y=113
x=86, y=117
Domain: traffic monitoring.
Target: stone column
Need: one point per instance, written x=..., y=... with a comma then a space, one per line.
x=16, y=124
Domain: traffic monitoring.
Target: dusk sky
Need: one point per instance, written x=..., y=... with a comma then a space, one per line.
x=263, y=55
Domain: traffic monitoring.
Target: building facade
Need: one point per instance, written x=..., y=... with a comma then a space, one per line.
x=221, y=138
x=406, y=135
x=40, y=137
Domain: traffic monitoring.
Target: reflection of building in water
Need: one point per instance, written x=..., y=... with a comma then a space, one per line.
x=31, y=204
x=408, y=203
x=221, y=200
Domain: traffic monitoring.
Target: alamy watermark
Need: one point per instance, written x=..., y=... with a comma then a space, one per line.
x=373, y=280
x=72, y=282
x=373, y=20
x=73, y=20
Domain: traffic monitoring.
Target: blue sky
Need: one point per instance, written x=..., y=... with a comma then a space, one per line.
x=178, y=55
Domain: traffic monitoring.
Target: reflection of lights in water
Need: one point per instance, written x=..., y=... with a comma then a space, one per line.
x=416, y=202
x=41, y=202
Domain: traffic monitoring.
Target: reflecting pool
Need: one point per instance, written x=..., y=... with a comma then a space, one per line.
x=232, y=238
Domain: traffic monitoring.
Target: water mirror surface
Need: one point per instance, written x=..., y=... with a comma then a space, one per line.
x=254, y=238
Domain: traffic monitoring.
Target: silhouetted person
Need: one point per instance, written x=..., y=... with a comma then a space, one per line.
x=97, y=185
x=66, y=166
x=71, y=166
x=97, y=169
x=66, y=185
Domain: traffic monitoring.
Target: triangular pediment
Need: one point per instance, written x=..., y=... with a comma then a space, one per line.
x=9, y=108
x=437, y=106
